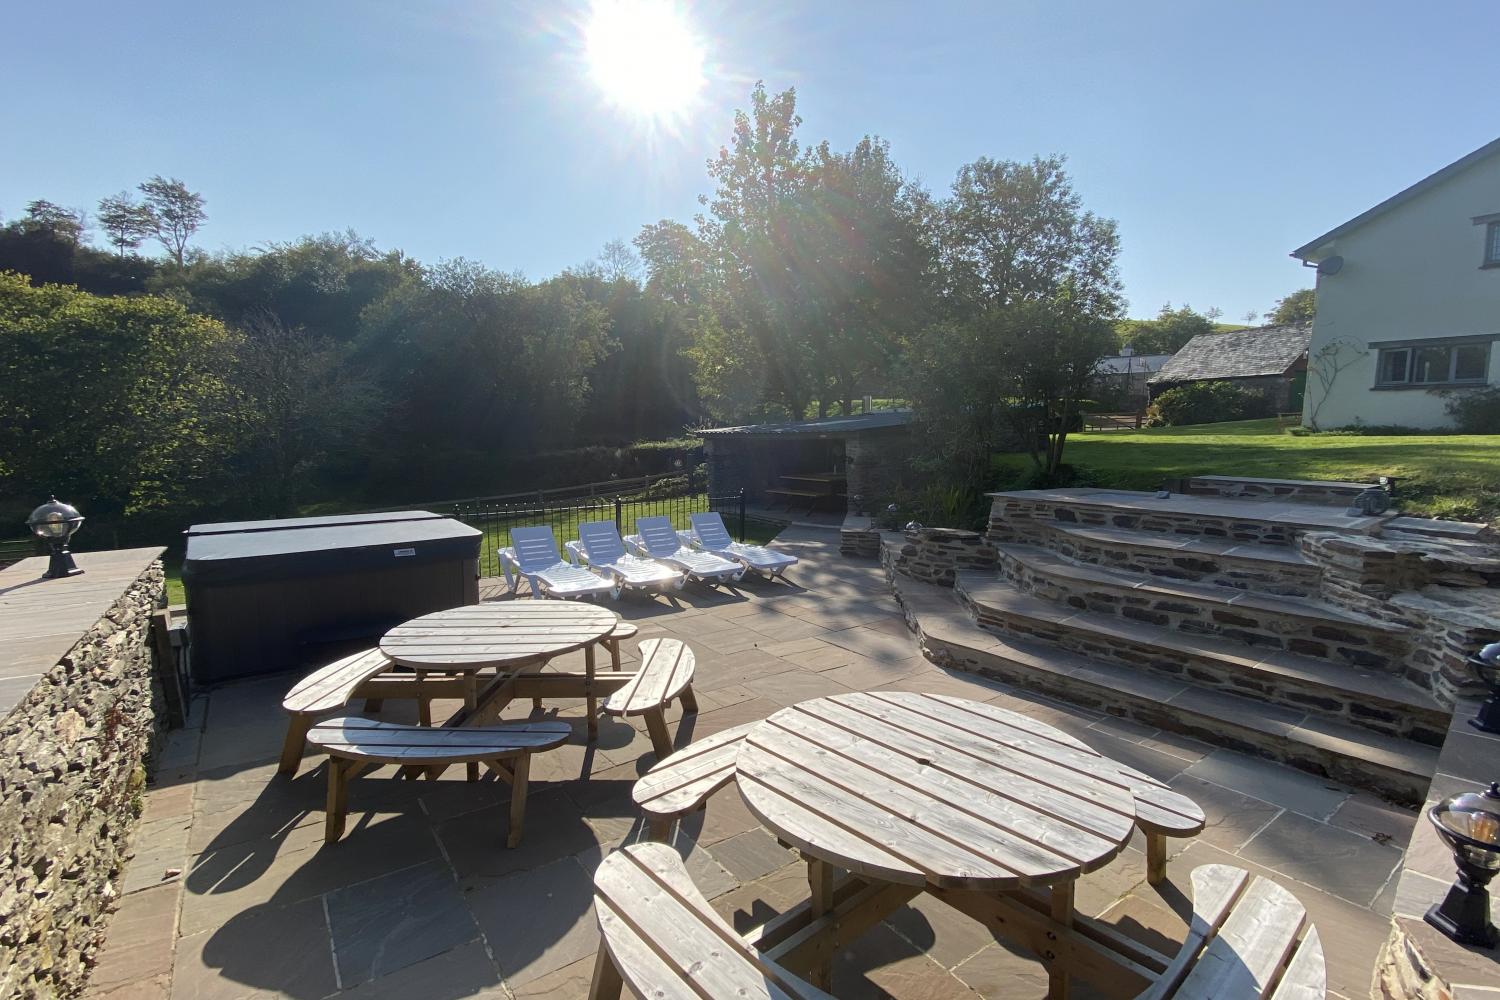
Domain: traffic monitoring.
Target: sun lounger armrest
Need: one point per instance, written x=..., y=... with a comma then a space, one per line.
x=576, y=555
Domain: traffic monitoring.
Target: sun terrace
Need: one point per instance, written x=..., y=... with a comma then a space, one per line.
x=1016, y=762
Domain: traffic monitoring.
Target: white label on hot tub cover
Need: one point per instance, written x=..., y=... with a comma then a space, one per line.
x=405, y=552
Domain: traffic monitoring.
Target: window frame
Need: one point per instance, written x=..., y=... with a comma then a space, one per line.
x=1410, y=348
x=1492, y=244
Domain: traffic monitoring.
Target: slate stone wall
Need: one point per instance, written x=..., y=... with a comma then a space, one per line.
x=1011, y=521
x=934, y=555
x=71, y=772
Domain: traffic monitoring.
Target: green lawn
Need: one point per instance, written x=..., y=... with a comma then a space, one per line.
x=1441, y=475
x=496, y=532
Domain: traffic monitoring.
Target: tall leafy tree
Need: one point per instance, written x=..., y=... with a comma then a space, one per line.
x=176, y=213
x=1019, y=231
x=126, y=222
x=65, y=223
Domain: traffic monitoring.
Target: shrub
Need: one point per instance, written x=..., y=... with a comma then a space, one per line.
x=1475, y=411
x=1205, y=403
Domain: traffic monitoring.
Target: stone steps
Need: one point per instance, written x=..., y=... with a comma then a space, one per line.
x=1268, y=569
x=1398, y=768
x=1367, y=698
x=1267, y=522
x=1301, y=626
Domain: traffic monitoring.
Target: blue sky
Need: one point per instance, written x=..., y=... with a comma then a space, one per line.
x=1220, y=135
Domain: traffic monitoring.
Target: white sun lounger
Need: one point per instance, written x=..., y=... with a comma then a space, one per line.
x=655, y=537
x=533, y=554
x=710, y=535
x=600, y=547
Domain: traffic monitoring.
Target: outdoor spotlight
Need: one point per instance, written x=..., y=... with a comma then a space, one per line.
x=1486, y=663
x=54, y=523
x=913, y=525
x=1469, y=824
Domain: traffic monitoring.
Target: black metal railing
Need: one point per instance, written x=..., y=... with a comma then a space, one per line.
x=677, y=498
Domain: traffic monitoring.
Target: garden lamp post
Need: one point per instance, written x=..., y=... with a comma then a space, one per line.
x=1486, y=663
x=54, y=523
x=1469, y=823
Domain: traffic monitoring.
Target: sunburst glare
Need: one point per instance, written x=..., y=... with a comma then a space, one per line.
x=644, y=56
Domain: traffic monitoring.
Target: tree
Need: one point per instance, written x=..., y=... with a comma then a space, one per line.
x=618, y=262
x=1298, y=307
x=176, y=213
x=126, y=222
x=300, y=402
x=1017, y=231
x=65, y=223
x=1168, y=332
x=151, y=435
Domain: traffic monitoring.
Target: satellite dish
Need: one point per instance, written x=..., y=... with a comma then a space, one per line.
x=1331, y=265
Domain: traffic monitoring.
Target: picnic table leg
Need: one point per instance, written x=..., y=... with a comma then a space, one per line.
x=588, y=691
x=820, y=882
x=661, y=739
x=424, y=703
x=659, y=829
x=1156, y=858
x=338, y=799
x=614, y=653
x=520, y=768
x=1062, y=912
x=607, y=982
x=471, y=702
x=296, y=736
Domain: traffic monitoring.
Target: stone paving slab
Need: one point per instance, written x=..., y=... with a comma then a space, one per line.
x=421, y=898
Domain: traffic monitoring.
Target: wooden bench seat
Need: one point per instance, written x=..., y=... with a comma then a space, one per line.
x=1249, y=939
x=666, y=674
x=354, y=743
x=681, y=785
x=327, y=689
x=661, y=936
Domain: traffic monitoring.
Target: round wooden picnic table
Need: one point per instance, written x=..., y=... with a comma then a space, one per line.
x=923, y=789
x=497, y=635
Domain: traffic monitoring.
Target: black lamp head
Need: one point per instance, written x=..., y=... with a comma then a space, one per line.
x=55, y=522
x=1469, y=824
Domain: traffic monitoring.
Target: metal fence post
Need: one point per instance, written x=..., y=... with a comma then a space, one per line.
x=619, y=517
x=742, y=513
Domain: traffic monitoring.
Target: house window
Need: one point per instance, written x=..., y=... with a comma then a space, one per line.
x=1433, y=364
x=1492, y=245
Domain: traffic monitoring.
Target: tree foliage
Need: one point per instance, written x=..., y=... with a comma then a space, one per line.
x=1169, y=331
x=126, y=222
x=176, y=213
x=116, y=401
x=1206, y=403
x=1299, y=307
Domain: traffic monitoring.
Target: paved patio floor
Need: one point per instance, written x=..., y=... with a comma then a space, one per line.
x=232, y=894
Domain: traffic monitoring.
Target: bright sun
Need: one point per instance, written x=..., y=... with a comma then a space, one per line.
x=644, y=57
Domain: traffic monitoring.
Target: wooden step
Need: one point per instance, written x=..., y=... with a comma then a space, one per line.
x=1397, y=768
x=1300, y=625
x=1374, y=700
x=1268, y=569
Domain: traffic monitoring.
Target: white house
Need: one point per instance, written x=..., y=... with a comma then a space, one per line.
x=1408, y=301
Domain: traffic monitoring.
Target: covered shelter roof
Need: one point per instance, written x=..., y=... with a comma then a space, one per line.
x=823, y=427
x=1129, y=364
x=1263, y=350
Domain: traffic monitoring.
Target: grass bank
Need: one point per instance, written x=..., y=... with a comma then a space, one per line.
x=1441, y=475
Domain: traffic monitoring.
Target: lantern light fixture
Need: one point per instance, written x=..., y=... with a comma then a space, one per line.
x=54, y=523
x=1469, y=824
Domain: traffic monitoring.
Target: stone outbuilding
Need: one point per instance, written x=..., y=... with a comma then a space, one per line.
x=810, y=464
x=1269, y=359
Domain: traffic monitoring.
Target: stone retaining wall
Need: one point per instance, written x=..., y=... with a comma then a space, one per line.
x=1249, y=488
x=71, y=774
x=1418, y=962
x=933, y=555
x=1443, y=591
x=858, y=537
x=1009, y=517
